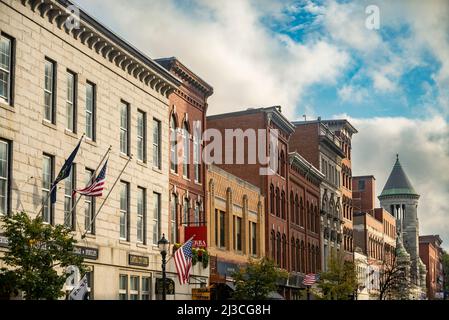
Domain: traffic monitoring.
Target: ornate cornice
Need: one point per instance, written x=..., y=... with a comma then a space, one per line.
x=105, y=43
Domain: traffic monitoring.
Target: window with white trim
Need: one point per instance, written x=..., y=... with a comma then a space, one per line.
x=186, y=151
x=69, y=198
x=6, y=64
x=173, y=226
x=173, y=146
x=134, y=288
x=90, y=110
x=156, y=143
x=146, y=288
x=156, y=217
x=124, y=125
x=123, y=287
x=71, y=101
x=5, y=167
x=141, y=215
x=124, y=210
x=49, y=91
x=141, y=136
x=47, y=178
x=89, y=204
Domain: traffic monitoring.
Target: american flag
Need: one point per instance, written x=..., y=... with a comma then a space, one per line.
x=183, y=261
x=95, y=189
x=310, y=279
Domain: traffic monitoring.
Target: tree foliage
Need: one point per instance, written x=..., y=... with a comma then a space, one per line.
x=340, y=281
x=36, y=251
x=445, y=262
x=257, y=279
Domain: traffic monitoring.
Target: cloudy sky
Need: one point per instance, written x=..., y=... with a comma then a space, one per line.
x=318, y=58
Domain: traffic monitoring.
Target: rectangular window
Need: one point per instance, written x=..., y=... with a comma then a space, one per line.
x=141, y=136
x=146, y=288
x=134, y=288
x=253, y=238
x=238, y=233
x=217, y=216
x=361, y=185
x=124, y=210
x=50, y=91
x=173, y=225
x=222, y=229
x=71, y=101
x=157, y=143
x=124, y=125
x=5, y=178
x=123, y=287
x=156, y=217
x=6, y=68
x=69, y=199
x=197, y=157
x=89, y=204
x=47, y=179
x=91, y=112
x=141, y=215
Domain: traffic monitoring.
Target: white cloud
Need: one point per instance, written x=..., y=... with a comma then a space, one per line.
x=353, y=93
x=228, y=46
x=423, y=148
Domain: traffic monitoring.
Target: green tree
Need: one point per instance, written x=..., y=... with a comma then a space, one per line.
x=445, y=263
x=257, y=279
x=340, y=281
x=36, y=251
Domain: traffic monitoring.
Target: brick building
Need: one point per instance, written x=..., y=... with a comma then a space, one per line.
x=374, y=230
x=304, y=221
x=188, y=107
x=273, y=187
x=430, y=252
x=60, y=84
x=323, y=149
x=236, y=217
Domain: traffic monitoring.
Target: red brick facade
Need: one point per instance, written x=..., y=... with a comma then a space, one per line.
x=188, y=105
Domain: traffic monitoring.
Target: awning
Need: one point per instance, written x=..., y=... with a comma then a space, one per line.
x=273, y=295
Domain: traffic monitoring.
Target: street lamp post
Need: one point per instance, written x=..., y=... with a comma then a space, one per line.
x=163, y=246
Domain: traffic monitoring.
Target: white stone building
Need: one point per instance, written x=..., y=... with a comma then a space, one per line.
x=60, y=80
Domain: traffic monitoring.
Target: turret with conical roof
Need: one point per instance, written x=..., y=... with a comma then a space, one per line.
x=398, y=182
x=400, y=198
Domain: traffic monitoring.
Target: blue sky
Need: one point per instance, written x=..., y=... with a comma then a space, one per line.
x=318, y=58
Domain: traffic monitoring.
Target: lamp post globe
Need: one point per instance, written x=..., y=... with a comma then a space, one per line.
x=163, y=245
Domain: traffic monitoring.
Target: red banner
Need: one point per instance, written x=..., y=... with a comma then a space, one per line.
x=200, y=239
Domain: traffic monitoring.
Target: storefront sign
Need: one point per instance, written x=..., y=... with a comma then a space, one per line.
x=200, y=294
x=3, y=241
x=169, y=286
x=140, y=261
x=200, y=233
x=86, y=252
x=227, y=268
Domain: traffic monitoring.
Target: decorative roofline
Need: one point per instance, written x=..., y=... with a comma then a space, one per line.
x=299, y=162
x=105, y=43
x=184, y=73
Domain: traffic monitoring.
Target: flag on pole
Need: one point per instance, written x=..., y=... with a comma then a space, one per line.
x=183, y=261
x=310, y=279
x=80, y=292
x=65, y=171
x=95, y=189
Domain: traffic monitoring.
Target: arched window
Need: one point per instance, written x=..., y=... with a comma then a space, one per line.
x=173, y=145
x=284, y=251
x=303, y=257
x=273, y=245
x=173, y=224
x=186, y=149
x=301, y=209
x=196, y=216
x=278, y=200
x=197, y=153
x=309, y=260
x=278, y=249
x=308, y=215
x=317, y=258
x=293, y=254
x=297, y=216
x=317, y=220
x=283, y=205
x=298, y=256
x=292, y=208
x=186, y=216
x=312, y=259
x=282, y=163
x=272, y=203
